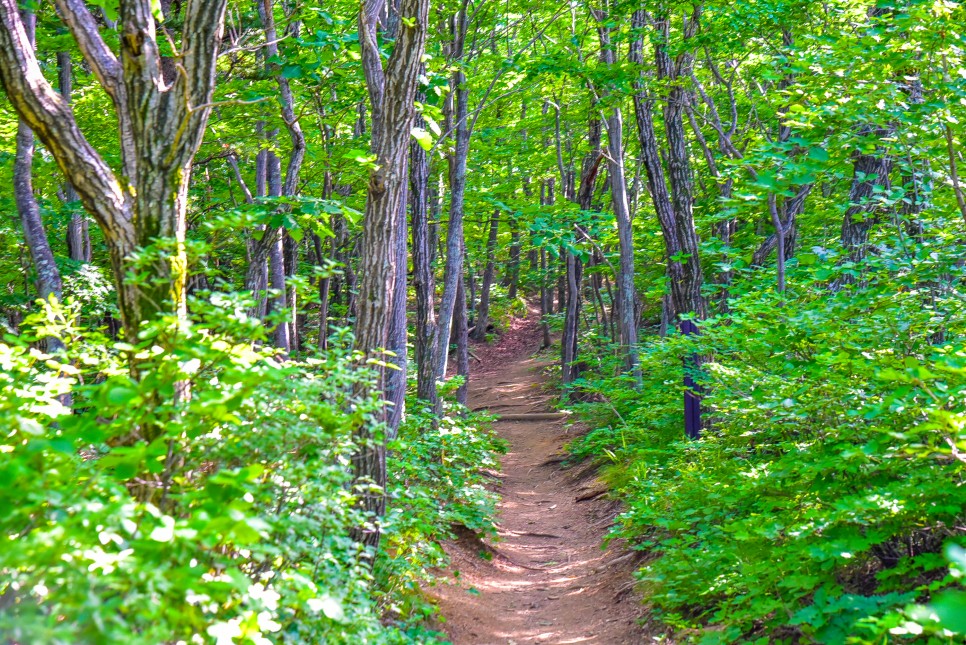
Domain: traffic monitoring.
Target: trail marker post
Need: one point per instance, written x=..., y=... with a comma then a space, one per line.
x=692, y=392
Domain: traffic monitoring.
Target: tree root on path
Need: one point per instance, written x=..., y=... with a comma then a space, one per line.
x=591, y=495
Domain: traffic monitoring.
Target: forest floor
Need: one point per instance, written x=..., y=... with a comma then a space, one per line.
x=546, y=578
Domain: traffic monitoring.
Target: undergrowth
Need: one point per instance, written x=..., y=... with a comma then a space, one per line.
x=209, y=500
x=825, y=501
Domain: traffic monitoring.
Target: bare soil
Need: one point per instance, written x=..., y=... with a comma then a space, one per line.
x=546, y=579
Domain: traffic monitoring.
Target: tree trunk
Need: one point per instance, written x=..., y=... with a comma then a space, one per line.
x=462, y=345
x=423, y=279
x=684, y=266
x=513, y=268
x=325, y=289
x=391, y=93
x=779, y=241
x=546, y=300
x=573, y=266
x=870, y=172
x=48, y=275
x=269, y=242
x=650, y=155
x=78, y=233
x=626, y=293
x=276, y=260
x=453, y=272
x=161, y=127
x=568, y=341
x=483, y=315
x=398, y=329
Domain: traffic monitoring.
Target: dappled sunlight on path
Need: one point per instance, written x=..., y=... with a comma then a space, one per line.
x=546, y=579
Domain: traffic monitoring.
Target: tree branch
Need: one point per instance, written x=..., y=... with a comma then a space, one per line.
x=98, y=55
x=45, y=111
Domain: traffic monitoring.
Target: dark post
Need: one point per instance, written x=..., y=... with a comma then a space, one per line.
x=692, y=392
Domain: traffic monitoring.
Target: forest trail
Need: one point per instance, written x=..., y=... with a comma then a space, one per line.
x=548, y=580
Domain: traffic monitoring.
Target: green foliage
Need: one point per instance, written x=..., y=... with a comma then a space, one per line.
x=437, y=478
x=210, y=498
x=816, y=505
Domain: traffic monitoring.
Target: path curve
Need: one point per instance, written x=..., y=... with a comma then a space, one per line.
x=548, y=580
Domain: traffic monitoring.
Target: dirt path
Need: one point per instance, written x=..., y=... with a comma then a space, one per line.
x=548, y=580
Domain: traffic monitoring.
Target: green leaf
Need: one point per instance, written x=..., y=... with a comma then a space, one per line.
x=950, y=606
x=329, y=606
x=156, y=11
x=292, y=71
x=818, y=154
x=423, y=138
x=121, y=395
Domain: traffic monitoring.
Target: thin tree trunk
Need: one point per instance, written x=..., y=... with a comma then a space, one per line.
x=391, y=93
x=48, y=275
x=296, y=157
x=423, y=278
x=453, y=271
x=483, y=315
x=398, y=329
x=776, y=221
x=626, y=293
x=462, y=345
x=78, y=233
x=513, y=272
x=573, y=271
x=568, y=342
x=276, y=259
x=546, y=304
x=325, y=288
x=562, y=281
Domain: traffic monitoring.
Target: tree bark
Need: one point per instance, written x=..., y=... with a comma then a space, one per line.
x=684, y=265
x=398, y=328
x=424, y=280
x=573, y=265
x=651, y=158
x=483, y=314
x=870, y=171
x=461, y=330
x=161, y=126
x=626, y=293
x=391, y=93
x=458, y=114
x=269, y=244
x=48, y=283
x=78, y=233
x=276, y=262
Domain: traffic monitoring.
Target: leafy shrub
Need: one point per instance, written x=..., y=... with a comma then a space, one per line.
x=816, y=506
x=437, y=482
x=209, y=499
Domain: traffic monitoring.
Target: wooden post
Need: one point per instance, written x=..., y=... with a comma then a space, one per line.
x=692, y=393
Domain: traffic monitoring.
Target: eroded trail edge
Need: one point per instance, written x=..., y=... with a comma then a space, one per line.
x=547, y=580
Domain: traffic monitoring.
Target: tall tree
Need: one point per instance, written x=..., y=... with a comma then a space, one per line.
x=457, y=122
x=48, y=275
x=626, y=294
x=392, y=91
x=483, y=314
x=680, y=235
x=424, y=282
x=161, y=126
x=78, y=234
